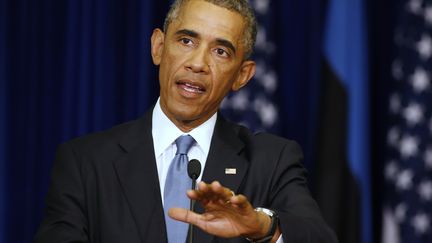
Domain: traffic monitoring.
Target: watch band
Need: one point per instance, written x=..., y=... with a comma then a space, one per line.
x=273, y=226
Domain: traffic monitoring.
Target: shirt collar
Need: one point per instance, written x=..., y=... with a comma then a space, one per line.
x=165, y=132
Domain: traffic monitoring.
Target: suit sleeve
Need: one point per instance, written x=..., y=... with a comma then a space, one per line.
x=65, y=220
x=300, y=217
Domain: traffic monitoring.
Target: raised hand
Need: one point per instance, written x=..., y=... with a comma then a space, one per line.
x=226, y=214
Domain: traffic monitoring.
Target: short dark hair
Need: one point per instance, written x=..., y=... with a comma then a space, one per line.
x=239, y=6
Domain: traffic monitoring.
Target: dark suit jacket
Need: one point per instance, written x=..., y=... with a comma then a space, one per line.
x=105, y=186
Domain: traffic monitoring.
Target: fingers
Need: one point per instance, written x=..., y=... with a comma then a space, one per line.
x=226, y=214
x=216, y=193
x=241, y=201
x=213, y=192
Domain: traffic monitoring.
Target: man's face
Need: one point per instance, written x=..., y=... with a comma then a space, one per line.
x=201, y=60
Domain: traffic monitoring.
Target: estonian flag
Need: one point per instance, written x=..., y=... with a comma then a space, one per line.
x=341, y=174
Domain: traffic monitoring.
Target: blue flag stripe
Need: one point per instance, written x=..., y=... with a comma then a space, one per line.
x=346, y=51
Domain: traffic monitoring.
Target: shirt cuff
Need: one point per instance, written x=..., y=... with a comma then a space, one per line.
x=280, y=240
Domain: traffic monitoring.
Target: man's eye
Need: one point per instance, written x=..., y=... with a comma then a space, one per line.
x=222, y=52
x=186, y=41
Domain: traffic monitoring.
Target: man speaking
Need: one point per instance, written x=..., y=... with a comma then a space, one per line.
x=130, y=183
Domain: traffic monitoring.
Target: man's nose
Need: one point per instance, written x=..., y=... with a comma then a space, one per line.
x=198, y=61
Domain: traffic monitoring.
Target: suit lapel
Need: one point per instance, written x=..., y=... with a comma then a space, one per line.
x=137, y=173
x=224, y=154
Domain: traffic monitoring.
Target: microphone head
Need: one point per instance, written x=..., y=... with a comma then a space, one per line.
x=194, y=169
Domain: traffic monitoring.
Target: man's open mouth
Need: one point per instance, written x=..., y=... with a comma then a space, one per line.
x=190, y=87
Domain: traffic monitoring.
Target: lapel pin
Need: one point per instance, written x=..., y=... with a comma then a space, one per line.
x=230, y=171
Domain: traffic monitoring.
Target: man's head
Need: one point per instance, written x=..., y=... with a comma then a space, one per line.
x=240, y=6
x=201, y=58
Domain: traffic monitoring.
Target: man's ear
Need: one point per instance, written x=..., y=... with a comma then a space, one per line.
x=247, y=71
x=157, y=45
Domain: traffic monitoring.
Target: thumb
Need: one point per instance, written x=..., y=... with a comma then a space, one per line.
x=183, y=215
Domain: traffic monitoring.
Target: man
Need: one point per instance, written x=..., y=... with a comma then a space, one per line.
x=117, y=185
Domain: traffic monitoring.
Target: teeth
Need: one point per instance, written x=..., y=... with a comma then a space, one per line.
x=192, y=88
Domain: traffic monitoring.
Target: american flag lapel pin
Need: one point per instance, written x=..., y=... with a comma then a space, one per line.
x=230, y=171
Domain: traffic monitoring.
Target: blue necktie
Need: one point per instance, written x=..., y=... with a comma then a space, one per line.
x=176, y=184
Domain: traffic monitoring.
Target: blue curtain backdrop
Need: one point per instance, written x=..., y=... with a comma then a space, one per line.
x=2, y=119
x=72, y=67
x=69, y=68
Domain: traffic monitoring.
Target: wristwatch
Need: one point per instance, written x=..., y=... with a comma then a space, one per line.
x=273, y=226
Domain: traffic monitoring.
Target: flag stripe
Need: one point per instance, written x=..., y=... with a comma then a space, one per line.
x=332, y=173
x=346, y=51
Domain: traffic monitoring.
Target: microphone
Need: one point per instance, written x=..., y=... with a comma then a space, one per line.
x=194, y=171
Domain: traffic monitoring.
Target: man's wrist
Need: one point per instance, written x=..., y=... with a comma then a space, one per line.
x=270, y=222
x=264, y=226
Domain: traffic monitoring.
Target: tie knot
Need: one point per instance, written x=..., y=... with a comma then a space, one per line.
x=184, y=143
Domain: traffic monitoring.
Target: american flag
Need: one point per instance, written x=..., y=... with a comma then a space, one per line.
x=254, y=105
x=407, y=214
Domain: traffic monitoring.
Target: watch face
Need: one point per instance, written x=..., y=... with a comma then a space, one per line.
x=269, y=212
x=274, y=222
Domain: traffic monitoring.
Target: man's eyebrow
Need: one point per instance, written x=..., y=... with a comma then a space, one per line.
x=226, y=43
x=190, y=33
x=219, y=41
